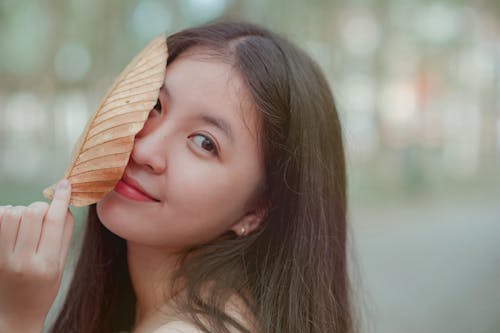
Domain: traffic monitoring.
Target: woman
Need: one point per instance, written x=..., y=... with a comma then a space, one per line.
x=240, y=224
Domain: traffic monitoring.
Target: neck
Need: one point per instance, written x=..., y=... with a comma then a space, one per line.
x=150, y=273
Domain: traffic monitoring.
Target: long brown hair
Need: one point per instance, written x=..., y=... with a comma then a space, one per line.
x=292, y=272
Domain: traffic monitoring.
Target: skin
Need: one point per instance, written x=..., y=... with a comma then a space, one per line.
x=201, y=194
x=34, y=244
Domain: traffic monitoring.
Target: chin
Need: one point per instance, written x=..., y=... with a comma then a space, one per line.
x=109, y=213
x=120, y=220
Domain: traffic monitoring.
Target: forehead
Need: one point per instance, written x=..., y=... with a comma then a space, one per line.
x=200, y=81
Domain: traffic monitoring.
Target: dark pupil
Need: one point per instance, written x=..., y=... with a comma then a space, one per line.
x=158, y=105
x=207, y=145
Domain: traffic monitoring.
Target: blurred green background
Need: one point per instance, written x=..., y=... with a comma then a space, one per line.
x=417, y=84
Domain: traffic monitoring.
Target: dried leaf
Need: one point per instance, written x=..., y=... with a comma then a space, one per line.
x=103, y=149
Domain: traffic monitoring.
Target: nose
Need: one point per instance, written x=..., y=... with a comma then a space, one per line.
x=147, y=151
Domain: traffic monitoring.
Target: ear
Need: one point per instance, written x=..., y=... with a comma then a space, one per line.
x=249, y=222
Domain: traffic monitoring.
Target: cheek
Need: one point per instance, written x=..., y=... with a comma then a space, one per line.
x=215, y=199
x=205, y=192
x=128, y=220
x=178, y=223
x=104, y=209
x=200, y=203
x=112, y=216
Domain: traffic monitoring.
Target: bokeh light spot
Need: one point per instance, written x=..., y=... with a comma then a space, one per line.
x=72, y=62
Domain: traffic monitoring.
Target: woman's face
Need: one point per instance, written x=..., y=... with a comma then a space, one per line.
x=197, y=157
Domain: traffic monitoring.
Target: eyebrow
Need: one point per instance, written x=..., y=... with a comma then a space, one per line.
x=217, y=122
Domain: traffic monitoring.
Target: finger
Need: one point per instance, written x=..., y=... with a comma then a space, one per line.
x=10, y=225
x=30, y=228
x=53, y=225
x=66, y=239
x=2, y=211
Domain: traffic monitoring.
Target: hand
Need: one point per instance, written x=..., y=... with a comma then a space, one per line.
x=34, y=243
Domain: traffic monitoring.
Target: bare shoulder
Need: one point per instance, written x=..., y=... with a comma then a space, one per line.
x=235, y=307
x=239, y=310
x=178, y=327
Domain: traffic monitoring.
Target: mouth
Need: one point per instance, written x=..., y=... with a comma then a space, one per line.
x=131, y=189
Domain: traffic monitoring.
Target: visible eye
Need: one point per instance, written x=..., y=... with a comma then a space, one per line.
x=206, y=143
x=157, y=106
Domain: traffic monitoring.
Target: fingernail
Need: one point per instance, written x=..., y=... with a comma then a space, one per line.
x=63, y=184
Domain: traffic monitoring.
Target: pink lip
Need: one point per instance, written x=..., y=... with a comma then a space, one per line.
x=129, y=188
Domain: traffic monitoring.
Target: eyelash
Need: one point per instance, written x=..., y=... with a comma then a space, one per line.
x=157, y=106
x=215, y=151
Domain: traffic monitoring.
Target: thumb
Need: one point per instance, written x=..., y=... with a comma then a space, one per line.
x=54, y=222
x=66, y=239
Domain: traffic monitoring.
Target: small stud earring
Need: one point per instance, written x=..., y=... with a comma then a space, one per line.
x=243, y=231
